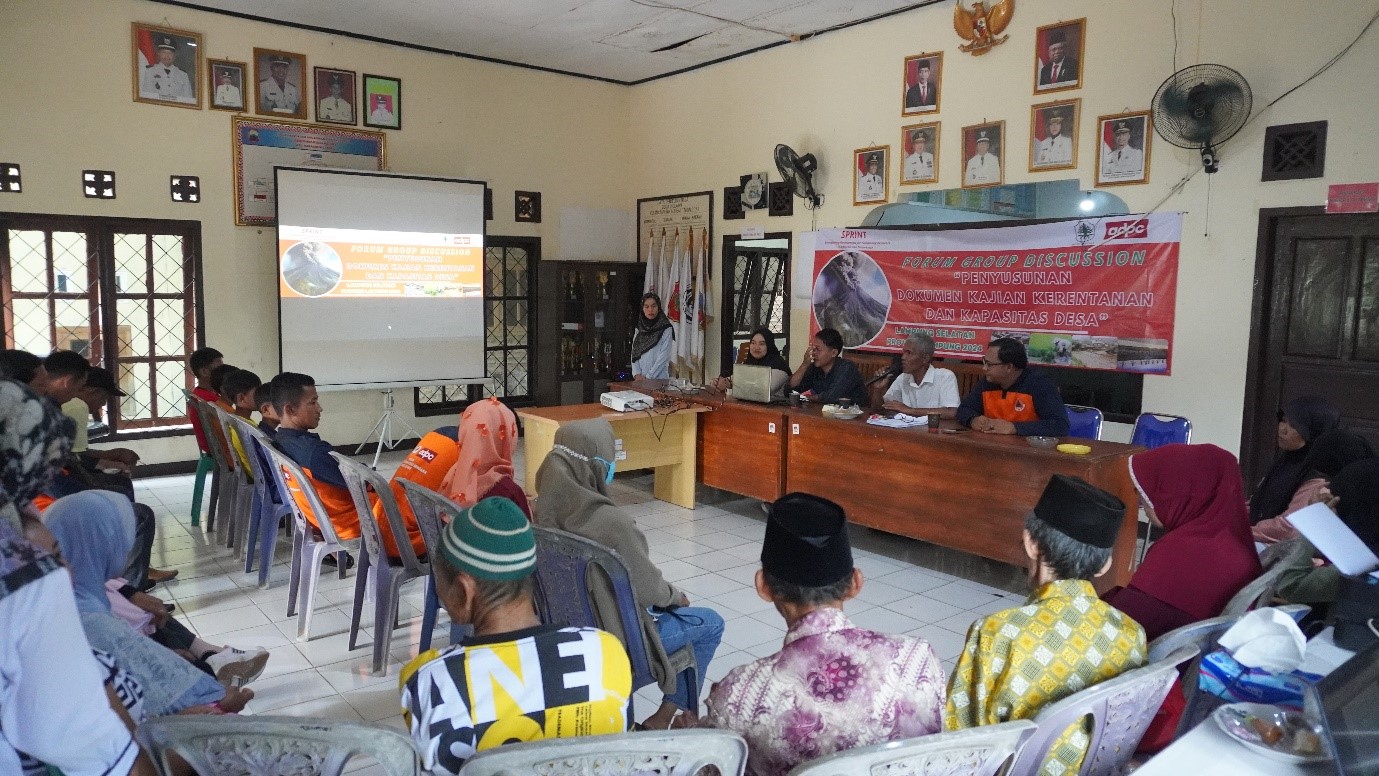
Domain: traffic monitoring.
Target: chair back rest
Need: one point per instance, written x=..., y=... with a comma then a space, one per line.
x=1120, y=710
x=255, y=449
x=231, y=745
x=1155, y=429
x=662, y=752
x=742, y=352
x=428, y=506
x=360, y=478
x=292, y=480
x=211, y=430
x=564, y=593
x=979, y=751
x=1277, y=559
x=1084, y=422
x=224, y=421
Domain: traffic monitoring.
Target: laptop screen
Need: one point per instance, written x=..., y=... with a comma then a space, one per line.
x=752, y=383
x=1350, y=702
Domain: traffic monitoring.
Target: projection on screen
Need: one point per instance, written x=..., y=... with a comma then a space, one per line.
x=380, y=278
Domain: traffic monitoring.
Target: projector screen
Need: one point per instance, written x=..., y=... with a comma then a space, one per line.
x=380, y=278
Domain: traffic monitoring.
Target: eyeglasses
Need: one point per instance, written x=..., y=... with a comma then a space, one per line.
x=991, y=364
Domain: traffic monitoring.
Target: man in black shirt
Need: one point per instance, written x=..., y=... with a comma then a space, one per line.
x=824, y=376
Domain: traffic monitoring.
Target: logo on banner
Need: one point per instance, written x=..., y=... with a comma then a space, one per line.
x=1127, y=230
x=1083, y=233
x=1019, y=405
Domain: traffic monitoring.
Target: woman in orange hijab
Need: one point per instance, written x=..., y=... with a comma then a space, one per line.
x=487, y=439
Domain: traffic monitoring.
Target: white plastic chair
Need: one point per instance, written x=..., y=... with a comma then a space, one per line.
x=241, y=481
x=979, y=751
x=662, y=752
x=222, y=487
x=1277, y=559
x=231, y=745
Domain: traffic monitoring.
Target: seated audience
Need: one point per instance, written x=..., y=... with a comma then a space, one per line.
x=1301, y=421
x=240, y=388
x=95, y=532
x=268, y=417
x=1354, y=495
x=1205, y=556
x=66, y=374
x=201, y=362
x=483, y=467
x=514, y=679
x=761, y=351
x=832, y=686
x=24, y=367
x=573, y=487
x=1326, y=457
x=1011, y=398
x=217, y=384
x=100, y=388
x=824, y=375
x=922, y=388
x=1065, y=639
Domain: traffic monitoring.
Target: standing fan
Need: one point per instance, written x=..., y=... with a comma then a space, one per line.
x=1200, y=106
x=798, y=172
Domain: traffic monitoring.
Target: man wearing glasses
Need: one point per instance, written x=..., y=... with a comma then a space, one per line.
x=1011, y=399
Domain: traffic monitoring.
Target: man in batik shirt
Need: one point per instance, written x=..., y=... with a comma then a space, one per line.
x=1064, y=639
x=832, y=686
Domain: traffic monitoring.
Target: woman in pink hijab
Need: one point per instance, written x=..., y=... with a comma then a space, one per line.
x=487, y=438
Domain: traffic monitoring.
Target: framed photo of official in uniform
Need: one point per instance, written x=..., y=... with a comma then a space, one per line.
x=870, y=182
x=1053, y=135
x=226, y=85
x=382, y=102
x=167, y=66
x=983, y=155
x=919, y=92
x=1123, y=148
x=280, y=87
x=919, y=148
x=1058, y=56
x=335, y=96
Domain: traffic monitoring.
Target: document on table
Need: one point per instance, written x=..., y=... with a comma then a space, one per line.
x=1334, y=539
x=901, y=420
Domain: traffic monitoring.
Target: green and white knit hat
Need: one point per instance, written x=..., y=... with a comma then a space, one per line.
x=491, y=540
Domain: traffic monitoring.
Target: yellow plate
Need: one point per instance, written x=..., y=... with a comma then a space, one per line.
x=1074, y=449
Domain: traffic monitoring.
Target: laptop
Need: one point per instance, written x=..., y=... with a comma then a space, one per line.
x=757, y=383
x=1349, y=699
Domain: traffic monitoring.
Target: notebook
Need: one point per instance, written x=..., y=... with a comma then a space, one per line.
x=1334, y=539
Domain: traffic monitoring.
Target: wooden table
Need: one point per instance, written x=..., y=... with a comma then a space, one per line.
x=661, y=440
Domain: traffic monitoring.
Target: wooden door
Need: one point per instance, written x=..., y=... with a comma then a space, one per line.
x=1315, y=324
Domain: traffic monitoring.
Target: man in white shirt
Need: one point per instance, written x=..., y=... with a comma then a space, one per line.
x=382, y=113
x=164, y=80
x=922, y=388
x=919, y=164
x=983, y=167
x=1056, y=148
x=227, y=95
x=335, y=107
x=870, y=186
x=1122, y=160
x=276, y=94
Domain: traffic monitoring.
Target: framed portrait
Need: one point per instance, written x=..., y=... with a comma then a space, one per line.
x=1058, y=56
x=920, y=90
x=919, y=146
x=1123, y=148
x=280, y=84
x=1053, y=135
x=335, y=96
x=167, y=66
x=226, y=84
x=753, y=191
x=383, y=101
x=870, y=180
x=259, y=145
x=983, y=155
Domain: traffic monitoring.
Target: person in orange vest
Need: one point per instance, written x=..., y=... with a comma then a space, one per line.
x=1011, y=398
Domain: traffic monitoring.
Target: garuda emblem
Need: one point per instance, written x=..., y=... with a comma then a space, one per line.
x=981, y=27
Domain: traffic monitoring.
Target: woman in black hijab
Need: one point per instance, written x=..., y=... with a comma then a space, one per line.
x=761, y=351
x=1327, y=455
x=652, y=341
x=1301, y=422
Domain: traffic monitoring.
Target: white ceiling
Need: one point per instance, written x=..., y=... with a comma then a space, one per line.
x=610, y=39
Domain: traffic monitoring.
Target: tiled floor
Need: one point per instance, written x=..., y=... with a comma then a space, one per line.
x=711, y=552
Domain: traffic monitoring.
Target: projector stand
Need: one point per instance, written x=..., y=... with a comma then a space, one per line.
x=384, y=429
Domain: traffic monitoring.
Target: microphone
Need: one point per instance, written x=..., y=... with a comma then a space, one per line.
x=893, y=371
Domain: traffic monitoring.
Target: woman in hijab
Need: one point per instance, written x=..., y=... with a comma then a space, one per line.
x=1332, y=452
x=95, y=530
x=487, y=439
x=572, y=484
x=761, y=351
x=1206, y=554
x=652, y=341
x=1300, y=423
x=1354, y=495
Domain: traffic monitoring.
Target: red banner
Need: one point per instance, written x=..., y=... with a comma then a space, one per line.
x=1096, y=293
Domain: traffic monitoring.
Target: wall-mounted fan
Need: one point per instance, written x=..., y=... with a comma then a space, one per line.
x=798, y=172
x=1201, y=106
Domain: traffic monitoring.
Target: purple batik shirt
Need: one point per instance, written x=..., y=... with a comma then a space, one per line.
x=832, y=687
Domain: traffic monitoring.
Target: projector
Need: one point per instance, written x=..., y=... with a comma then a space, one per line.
x=626, y=401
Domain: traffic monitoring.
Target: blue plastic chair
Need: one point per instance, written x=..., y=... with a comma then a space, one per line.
x=1084, y=422
x=1153, y=429
x=268, y=510
x=428, y=506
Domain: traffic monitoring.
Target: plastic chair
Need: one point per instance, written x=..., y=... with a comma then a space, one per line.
x=205, y=466
x=307, y=550
x=1277, y=559
x=241, y=481
x=1155, y=429
x=1120, y=709
x=665, y=753
x=222, y=492
x=979, y=751
x=1202, y=636
x=563, y=595
x=268, y=508
x=428, y=506
x=1084, y=422
x=231, y=745
x=388, y=574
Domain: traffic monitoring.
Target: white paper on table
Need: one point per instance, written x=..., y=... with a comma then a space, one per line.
x=901, y=420
x=1334, y=539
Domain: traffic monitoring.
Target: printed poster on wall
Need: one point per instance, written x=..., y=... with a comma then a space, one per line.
x=259, y=145
x=1094, y=293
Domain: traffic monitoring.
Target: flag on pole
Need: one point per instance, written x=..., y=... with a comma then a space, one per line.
x=702, y=306
x=653, y=267
x=664, y=271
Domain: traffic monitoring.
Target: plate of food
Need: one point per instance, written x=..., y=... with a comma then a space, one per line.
x=1279, y=734
x=841, y=412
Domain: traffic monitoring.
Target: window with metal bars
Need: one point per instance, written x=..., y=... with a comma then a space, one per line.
x=758, y=295
x=122, y=292
x=509, y=321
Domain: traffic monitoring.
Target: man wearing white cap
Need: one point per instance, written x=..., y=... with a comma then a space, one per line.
x=1056, y=147
x=1122, y=160
x=164, y=80
x=983, y=167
